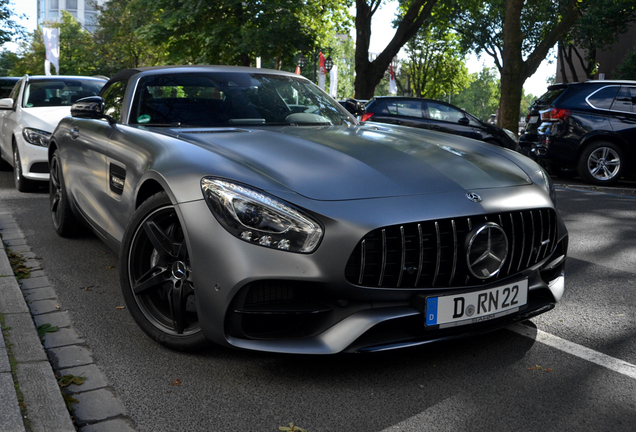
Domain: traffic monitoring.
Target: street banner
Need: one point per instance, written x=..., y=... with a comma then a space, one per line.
x=333, y=81
x=322, y=72
x=52, y=45
x=392, y=84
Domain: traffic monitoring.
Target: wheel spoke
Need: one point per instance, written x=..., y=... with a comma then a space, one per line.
x=167, y=249
x=154, y=279
x=178, y=302
x=55, y=202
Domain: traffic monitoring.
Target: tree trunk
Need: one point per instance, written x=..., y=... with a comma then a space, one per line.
x=515, y=71
x=512, y=73
x=369, y=73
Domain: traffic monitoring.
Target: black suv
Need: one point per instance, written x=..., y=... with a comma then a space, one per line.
x=436, y=115
x=589, y=128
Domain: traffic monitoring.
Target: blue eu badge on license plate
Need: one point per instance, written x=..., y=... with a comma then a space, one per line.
x=431, y=311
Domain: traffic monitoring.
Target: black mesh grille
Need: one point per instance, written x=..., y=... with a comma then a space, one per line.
x=433, y=253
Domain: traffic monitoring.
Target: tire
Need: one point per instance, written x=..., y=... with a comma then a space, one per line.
x=601, y=163
x=156, y=278
x=64, y=221
x=22, y=184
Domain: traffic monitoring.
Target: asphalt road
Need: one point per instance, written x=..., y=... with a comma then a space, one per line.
x=502, y=381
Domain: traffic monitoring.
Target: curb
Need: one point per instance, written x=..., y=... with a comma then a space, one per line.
x=24, y=305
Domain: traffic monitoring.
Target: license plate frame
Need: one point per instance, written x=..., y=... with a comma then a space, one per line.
x=476, y=306
x=533, y=119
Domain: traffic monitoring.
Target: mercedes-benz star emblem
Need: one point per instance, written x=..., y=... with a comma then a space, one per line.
x=473, y=197
x=487, y=250
x=179, y=270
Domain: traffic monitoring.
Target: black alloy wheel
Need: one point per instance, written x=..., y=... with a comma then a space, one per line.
x=156, y=277
x=64, y=221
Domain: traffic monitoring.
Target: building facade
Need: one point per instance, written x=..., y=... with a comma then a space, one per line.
x=85, y=11
x=608, y=60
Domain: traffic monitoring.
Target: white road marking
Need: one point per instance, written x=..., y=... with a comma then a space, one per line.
x=611, y=363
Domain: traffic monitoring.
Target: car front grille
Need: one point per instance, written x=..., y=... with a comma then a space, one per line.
x=433, y=253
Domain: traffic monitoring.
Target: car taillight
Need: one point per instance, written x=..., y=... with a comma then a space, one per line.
x=366, y=117
x=554, y=114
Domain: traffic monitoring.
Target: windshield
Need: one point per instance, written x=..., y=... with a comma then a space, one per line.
x=230, y=99
x=59, y=92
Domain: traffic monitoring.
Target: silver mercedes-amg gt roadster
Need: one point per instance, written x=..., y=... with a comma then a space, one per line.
x=250, y=209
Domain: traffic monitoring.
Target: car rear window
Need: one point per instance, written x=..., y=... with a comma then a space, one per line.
x=550, y=96
x=603, y=97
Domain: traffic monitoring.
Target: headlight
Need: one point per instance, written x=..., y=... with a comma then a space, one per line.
x=36, y=137
x=543, y=178
x=257, y=218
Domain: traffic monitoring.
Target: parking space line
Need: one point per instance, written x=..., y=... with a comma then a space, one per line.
x=614, y=364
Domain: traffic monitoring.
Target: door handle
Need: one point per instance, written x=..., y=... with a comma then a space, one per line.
x=74, y=133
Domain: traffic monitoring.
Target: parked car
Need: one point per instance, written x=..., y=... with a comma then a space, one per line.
x=586, y=128
x=6, y=85
x=437, y=116
x=27, y=118
x=249, y=208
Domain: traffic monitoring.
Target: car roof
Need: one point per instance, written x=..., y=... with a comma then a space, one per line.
x=128, y=73
x=62, y=77
x=615, y=82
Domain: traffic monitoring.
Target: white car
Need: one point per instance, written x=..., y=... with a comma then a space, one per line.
x=28, y=117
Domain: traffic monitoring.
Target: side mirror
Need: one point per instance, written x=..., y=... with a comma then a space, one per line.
x=463, y=121
x=91, y=107
x=6, y=103
x=354, y=107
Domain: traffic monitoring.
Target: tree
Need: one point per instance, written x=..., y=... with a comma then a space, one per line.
x=436, y=66
x=600, y=25
x=236, y=32
x=77, y=51
x=122, y=38
x=370, y=72
x=481, y=97
x=627, y=69
x=9, y=28
x=518, y=35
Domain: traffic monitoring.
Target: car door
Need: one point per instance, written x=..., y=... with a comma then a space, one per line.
x=446, y=118
x=8, y=121
x=623, y=118
x=88, y=164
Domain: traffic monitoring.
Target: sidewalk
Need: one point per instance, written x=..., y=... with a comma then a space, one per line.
x=24, y=305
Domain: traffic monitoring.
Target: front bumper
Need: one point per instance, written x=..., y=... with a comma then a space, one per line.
x=257, y=298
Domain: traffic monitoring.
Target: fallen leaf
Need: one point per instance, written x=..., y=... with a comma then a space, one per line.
x=120, y=307
x=110, y=267
x=176, y=382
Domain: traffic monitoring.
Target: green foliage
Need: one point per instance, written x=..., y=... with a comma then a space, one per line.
x=236, y=32
x=77, y=51
x=122, y=37
x=20, y=270
x=43, y=329
x=481, y=96
x=627, y=68
x=9, y=28
x=436, y=65
x=291, y=428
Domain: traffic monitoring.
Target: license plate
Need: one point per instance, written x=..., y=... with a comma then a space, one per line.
x=533, y=119
x=478, y=306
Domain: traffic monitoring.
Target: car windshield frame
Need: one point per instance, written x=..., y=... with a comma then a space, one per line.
x=59, y=92
x=230, y=99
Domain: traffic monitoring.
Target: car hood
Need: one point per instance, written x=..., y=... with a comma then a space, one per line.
x=44, y=118
x=338, y=163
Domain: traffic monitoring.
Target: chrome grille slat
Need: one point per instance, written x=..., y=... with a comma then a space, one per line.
x=383, y=268
x=439, y=253
x=431, y=253
x=363, y=257
x=455, y=249
x=403, y=257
